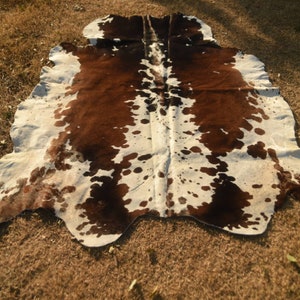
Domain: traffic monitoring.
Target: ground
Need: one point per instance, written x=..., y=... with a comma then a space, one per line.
x=156, y=259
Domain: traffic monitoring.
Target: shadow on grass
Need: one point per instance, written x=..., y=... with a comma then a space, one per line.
x=96, y=252
x=46, y=215
x=4, y=229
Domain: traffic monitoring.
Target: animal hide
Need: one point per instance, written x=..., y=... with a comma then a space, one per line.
x=152, y=117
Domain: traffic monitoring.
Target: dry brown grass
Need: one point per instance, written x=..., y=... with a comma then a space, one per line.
x=175, y=259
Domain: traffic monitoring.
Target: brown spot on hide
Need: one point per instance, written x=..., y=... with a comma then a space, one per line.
x=68, y=189
x=188, y=132
x=161, y=174
x=257, y=186
x=169, y=200
x=195, y=149
x=205, y=188
x=136, y=132
x=143, y=203
x=257, y=150
x=138, y=170
x=145, y=157
x=182, y=200
x=259, y=131
x=127, y=201
x=185, y=152
x=163, y=112
x=264, y=216
x=209, y=171
x=60, y=123
x=37, y=173
x=169, y=181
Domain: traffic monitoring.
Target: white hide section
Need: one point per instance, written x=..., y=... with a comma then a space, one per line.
x=252, y=70
x=205, y=29
x=93, y=32
x=33, y=128
x=92, y=241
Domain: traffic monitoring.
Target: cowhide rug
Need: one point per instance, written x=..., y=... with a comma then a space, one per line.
x=152, y=117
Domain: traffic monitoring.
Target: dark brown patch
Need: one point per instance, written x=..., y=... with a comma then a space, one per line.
x=195, y=149
x=123, y=28
x=68, y=189
x=136, y=132
x=257, y=150
x=257, y=186
x=127, y=201
x=169, y=181
x=185, y=152
x=138, y=170
x=169, y=200
x=126, y=172
x=259, y=131
x=188, y=132
x=264, y=216
x=226, y=208
x=143, y=203
x=209, y=171
x=60, y=123
x=182, y=200
x=145, y=157
x=161, y=174
x=205, y=188
x=37, y=173
x=163, y=112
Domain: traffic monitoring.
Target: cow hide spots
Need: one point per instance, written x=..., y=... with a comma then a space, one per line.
x=151, y=117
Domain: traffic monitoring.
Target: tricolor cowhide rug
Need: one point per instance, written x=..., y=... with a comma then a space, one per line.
x=152, y=117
